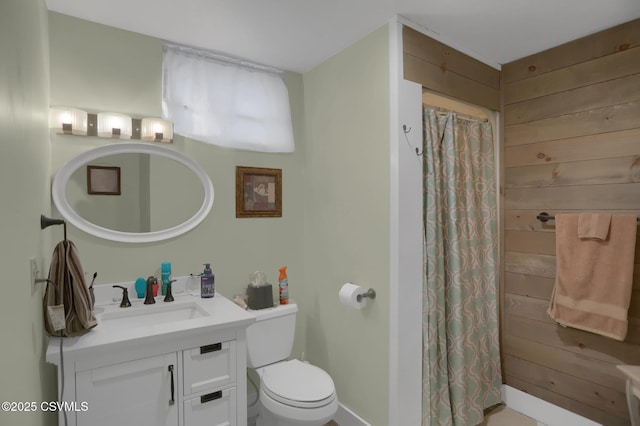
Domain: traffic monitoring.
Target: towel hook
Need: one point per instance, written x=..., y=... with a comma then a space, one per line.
x=407, y=129
x=46, y=222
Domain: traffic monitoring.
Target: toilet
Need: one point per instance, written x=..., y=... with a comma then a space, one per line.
x=292, y=392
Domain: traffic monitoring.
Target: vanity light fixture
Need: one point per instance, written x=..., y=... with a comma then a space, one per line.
x=73, y=121
x=156, y=130
x=113, y=125
x=68, y=121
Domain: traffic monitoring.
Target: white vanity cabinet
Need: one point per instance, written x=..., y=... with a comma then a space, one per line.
x=191, y=374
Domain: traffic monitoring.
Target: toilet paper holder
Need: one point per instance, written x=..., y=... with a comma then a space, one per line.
x=371, y=294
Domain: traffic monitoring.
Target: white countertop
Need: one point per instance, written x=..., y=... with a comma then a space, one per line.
x=132, y=331
x=633, y=374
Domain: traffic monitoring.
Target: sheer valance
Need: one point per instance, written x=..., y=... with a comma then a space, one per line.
x=225, y=102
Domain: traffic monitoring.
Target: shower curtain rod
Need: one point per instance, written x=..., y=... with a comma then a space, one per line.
x=460, y=115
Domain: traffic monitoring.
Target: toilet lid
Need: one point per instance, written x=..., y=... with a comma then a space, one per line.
x=297, y=383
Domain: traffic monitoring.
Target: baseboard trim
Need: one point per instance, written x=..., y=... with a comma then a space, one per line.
x=346, y=417
x=545, y=413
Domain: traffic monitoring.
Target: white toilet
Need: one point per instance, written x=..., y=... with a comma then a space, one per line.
x=292, y=393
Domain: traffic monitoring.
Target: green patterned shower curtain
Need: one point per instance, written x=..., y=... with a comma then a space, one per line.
x=461, y=355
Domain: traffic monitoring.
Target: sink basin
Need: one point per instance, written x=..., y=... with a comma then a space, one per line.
x=153, y=314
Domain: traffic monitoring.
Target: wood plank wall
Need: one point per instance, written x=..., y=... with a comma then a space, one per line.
x=442, y=69
x=571, y=143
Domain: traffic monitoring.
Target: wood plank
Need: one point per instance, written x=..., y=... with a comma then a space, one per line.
x=571, y=363
x=592, y=172
x=593, y=147
x=544, y=243
x=530, y=242
x=525, y=220
x=527, y=307
x=536, y=309
x=597, y=70
x=612, y=40
x=634, y=305
x=573, y=340
x=543, y=264
x=582, y=390
x=530, y=264
x=633, y=332
x=579, y=197
x=449, y=83
x=612, y=92
x=528, y=285
x=600, y=120
x=585, y=410
x=442, y=56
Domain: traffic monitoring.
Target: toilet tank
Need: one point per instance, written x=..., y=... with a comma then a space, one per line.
x=270, y=338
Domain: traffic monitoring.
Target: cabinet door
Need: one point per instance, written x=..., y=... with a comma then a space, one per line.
x=213, y=409
x=142, y=393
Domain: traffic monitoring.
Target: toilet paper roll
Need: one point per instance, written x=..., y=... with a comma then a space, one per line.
x=349, y=293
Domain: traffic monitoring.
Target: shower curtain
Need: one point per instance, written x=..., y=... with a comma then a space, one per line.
x=461, y=355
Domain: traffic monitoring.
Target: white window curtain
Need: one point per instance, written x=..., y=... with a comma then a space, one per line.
x=225, y=102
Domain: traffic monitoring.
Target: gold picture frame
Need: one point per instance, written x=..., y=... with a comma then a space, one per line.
x=258, y=192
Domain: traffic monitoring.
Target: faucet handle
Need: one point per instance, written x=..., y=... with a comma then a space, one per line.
x=125, y=296
x=169, y=296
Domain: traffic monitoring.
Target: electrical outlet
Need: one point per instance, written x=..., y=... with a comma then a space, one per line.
x=33, y=265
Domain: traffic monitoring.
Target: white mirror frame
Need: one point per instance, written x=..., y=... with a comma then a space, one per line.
x=58, y=192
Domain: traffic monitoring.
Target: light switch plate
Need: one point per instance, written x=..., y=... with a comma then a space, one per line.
x=33, y=265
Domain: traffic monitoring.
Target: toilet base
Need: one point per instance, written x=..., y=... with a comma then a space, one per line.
x=268, y=418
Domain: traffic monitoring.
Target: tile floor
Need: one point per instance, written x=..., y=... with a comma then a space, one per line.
x=499, y=415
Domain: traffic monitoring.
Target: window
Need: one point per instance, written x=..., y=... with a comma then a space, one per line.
x=225, y=102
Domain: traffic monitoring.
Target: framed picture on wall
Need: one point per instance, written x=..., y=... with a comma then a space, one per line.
x=103, y=180
x=258, y=192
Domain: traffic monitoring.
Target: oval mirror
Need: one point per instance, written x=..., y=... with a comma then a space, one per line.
x=132, y=192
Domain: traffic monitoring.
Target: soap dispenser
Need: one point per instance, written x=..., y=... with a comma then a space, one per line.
x=207, y=283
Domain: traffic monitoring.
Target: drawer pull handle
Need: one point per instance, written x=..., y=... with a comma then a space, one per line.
x=210, y=397
x=210, y=348
x=173, y=399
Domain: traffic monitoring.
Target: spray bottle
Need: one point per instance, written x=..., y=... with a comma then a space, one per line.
x=283, y=286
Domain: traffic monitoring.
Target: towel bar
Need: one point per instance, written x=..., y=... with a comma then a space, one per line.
x=544, y=217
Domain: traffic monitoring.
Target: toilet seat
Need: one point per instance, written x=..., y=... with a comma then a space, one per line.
x=298, y=384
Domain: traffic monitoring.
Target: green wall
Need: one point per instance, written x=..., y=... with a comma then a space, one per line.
x=132, y=84
x=335, y=224
x=24, y=188
x=346, y=225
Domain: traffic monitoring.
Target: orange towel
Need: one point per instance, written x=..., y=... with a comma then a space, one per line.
x=594, y=225
x=594, y=278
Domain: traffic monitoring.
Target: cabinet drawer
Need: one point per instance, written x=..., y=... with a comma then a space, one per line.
x=213, y=409
x=209, y=366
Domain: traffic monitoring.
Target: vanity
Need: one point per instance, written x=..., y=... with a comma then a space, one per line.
x=632, y=373
x=179, y=363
